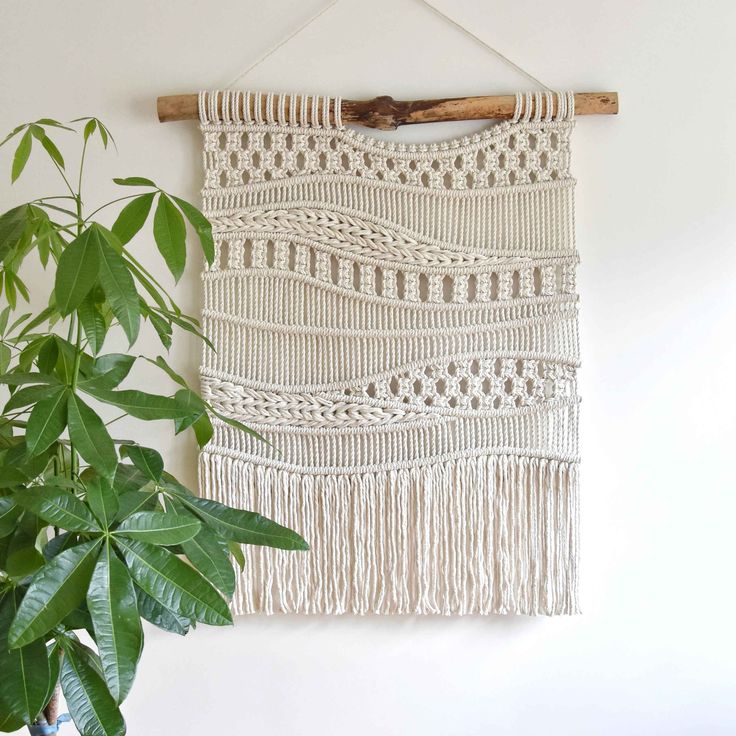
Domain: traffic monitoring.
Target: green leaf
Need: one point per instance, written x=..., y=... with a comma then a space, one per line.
x=93, y=709
x=13, y=286
x=23, y=558
x=128, y=478
x=140, y=404
x=21, y=155
x=53, y=152
x=53, y=123
x=159, y=527
x=90, y=437
x=12, y=227
x=186, y=323
x=132, y=217
x=9, y=513
x=120, y=291
x=109, y=370
x=57, y=507
x=246, y=527
x=148, y=461
x=48, y=314
x=93, y=323
x=195, y=405
x=56, y=545
x=66, y=362
x=20, y=378
x=13, y=133
x=55, y=591
x=168, y=370
x=9, y=722
x=25, y=671
x=31, y=395
x=134, y=181
x=237, y=425
x=4, y=320
x=202, y=226
x=19, y=320
x=104, y=133
x=111, y=601
x=89, y=129
x=102, y=499
x=4, y=545
x=206, y=553
x=10, y=476
x=46, y=422
x=198, y=419
x=236, y=550
x=174, y=584
x=5, y=357
x=79, y=619
x=203, y=430
x=162, y=327
x=48, y=356
x=160, y=616
x=170, y=234
x=135, y=501
x=77, y=271
x=54, y=657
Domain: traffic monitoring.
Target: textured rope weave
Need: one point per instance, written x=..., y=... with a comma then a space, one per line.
x=400, y=321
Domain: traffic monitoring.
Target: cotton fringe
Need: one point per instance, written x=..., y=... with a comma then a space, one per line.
x=493, y=534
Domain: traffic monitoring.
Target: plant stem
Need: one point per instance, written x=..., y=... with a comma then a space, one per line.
x=63, y=176
x=81, y=170
x=51, y=711
x=112, y=201
x=75, y=378
x=74, y=469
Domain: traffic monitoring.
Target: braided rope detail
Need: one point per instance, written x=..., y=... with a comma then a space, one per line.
x=356, y=236
x=287, y=409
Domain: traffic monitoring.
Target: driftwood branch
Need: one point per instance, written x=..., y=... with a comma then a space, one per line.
x=385, y=113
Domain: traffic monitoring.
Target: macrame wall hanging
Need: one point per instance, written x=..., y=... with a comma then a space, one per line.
x=400, y=322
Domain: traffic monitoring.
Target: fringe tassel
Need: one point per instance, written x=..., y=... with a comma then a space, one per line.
x=496, y=534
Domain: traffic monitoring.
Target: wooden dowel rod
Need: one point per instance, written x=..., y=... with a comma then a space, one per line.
x=385, y=113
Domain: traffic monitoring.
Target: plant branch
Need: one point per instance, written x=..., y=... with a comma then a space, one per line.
x=63, y=176
x=111, y=202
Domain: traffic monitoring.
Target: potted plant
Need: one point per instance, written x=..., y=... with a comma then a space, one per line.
x=95, y=535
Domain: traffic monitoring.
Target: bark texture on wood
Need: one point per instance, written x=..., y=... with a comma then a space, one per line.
x=385, y=113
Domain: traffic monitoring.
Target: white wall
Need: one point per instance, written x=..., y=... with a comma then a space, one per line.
x=653, y=652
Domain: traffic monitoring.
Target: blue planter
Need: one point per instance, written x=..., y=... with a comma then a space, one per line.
x=47, y=730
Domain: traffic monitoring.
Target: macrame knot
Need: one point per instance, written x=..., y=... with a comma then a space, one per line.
x=545, y=105
x=238, y=107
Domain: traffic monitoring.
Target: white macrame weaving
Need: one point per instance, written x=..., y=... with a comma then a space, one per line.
x=400, y=321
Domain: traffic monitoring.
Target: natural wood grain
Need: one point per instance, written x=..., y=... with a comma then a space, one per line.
x=385, y=113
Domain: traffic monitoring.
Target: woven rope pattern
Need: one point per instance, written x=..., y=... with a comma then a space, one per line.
x=237, y=157
x=401, y=322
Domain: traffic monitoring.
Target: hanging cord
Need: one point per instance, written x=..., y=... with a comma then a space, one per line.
x=434, y=9
x=283, y=41
x=531, y=104
x=482, y=43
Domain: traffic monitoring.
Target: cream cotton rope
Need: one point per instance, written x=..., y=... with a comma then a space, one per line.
x=400, y=322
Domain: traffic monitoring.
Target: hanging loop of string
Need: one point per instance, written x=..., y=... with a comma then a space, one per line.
x=486, y=46
x=283, y=42
x=434, y=9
